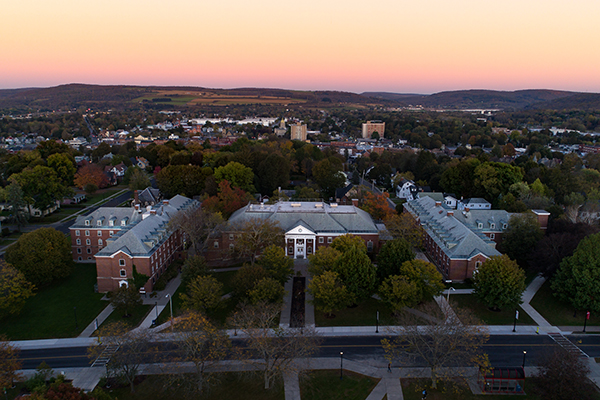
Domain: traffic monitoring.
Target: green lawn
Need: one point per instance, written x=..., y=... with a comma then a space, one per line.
x=327, y=385
x=136, y=316
x=231, y=385
x=102, y=194
x=51, y=312
x=557, y=312
x=365, y=314
x=412, y=388
x=166, y=312
x=504, y=317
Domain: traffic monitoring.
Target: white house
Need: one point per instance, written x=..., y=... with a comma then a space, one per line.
x=474, y=203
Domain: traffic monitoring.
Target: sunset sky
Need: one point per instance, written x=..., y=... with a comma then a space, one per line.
x=421, y=46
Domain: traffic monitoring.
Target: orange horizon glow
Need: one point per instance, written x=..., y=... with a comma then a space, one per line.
x=382, y=45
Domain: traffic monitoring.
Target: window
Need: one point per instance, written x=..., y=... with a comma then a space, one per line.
x=78, y=241
x=79, y=259
x=99, y=233
x=78, y=251
x=504, y=226
x=99, y=242
x=321, y=240
x=123, y=223
x=88, y=242
x=99, y=223
x=123, y=273
x=216, y=244
x=369, y=246
x=89, y=251
x=231, y=236
x=290, y=250
x=87, y=233
x=122, y=262
x=231, y=246
x=492, y=226
x=89, y=258
x=111, y=233
x=480, y=225
x=87, y=222
x=111, y=223
x=77, y=232
x=329, y=240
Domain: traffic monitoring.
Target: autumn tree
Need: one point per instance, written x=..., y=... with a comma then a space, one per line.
x=90, y=174
x=64, y=166
x=14, y=290
x=133, y=348
x=328, y=175
x=323, y=260
x=10, y=363
x=377, y=205
x=228, y=199
x=137, y=179
x=255, y=235
x=345, y=242
x=279, y=266
x=42, y=256
x=188, y=180
x=266, y=290
x=276, y=350
x=520, y=237
x=357, y=272
x=246, y=278
x=198, y=224
x=238, y=175
x=426, y=277
x=41, y=186
x=203, y=294
x=399, y=292
x=391, y=256
x=15, y=197
x=499, y=283
x=193, y=267
x=199, y=342
x=329, y=293
x=404, y=226
x=448, y=342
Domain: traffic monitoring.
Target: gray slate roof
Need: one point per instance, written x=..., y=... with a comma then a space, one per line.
x=454, y=238
x=319, y=217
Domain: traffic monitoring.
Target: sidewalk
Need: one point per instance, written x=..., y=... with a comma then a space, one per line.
x=162, y=300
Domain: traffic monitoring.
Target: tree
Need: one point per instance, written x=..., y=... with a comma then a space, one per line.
x=357, y=273
x=16, y=199
x=125, y=298
x=238, y=175
x=448, y=342
x=10, y=363
x=345, y=242
x=133, y=349
x=188, y=180
x=323, y=260
x=203, y=294
x=254, y=235
x=90, y=174
x=228, y=200
x=425, y=275
x=404, y=226
x=202, y=344
x=391, y=256
x=328, y=175
x=563, y=375
x=521, y=236
x=14, y=290
x=138, y=180
x=198, y=224
x=577, y=280
x=193, y=267
x=41, y=186
x=273, y=348
x=399, y=292
x=276, y=263
x=267, y=290
x=377, y=205
x=328, y=292
x=64, y=166
x=499, y=283
x=42, y=256
x=245, y=279
x=273, y=172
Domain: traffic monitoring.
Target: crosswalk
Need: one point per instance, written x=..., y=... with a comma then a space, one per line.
x=567, y=344
x=105, y=356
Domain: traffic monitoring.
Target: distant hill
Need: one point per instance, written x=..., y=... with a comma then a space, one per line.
x=81, y=95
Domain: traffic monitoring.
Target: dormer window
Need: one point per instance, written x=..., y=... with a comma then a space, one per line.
x=479, y=225
x=504, y=226
x=492, y=226
x=87, y=222
x=111, y=223
x=99, y=223
x=123, y=223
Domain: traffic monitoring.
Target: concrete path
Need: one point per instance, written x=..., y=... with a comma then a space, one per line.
x=89, y=330
x=291, y=385
x=528, y=295
x=160, y=302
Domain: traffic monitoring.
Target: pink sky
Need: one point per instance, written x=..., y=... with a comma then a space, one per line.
x=379, y=45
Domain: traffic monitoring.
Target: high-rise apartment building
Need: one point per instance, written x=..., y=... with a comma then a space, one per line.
x=298, y=131
x=370, y=127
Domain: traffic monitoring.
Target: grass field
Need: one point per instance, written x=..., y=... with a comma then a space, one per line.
x=184, y=97
x=412, y=388
x=365, y=314
x=327, y=385
x=503, y=317
x=231, y=385
x=557, y=312
x=136, y=316
x=52, y=311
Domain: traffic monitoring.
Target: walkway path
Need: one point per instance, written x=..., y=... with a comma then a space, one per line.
x=160, y=301
x=89, y=330
x=528, y=295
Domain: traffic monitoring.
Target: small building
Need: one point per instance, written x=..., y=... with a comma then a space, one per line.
x=474, y=203
x=406, y=190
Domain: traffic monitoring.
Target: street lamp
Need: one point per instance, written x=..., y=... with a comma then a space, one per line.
x=171, y=307
x=448, y=294
x=377, y=323
x=524, y=354
x=341, y=364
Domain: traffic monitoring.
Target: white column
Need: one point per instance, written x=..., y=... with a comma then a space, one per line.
x=295, y=248
x=314, y=244
x=286, y=246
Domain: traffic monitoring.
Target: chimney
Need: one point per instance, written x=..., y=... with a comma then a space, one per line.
x=355, y=202
x=152, y=212
x=137, y=207
x=165, y=202
x=450, y=213
x=438, y=203
x=136, y=199
x=467, y=209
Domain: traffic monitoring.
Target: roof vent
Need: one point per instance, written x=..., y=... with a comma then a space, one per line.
x=319, y=205
x=296, y=205
x=333, y=205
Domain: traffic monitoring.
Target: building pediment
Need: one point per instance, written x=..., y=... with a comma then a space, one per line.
x=300, y=229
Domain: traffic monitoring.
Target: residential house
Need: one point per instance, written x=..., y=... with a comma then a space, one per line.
x=406, y=190
x=474, y=203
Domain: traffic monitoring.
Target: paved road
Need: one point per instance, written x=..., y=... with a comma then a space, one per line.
x=503, y=350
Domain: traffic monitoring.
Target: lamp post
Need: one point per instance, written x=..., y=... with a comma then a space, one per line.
x=524, y=354
x=377, y=323
x=448, y=294
x=171, y=307
x=341, y=364
x=516, y=318
x=156, y=308
x=587, y=316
